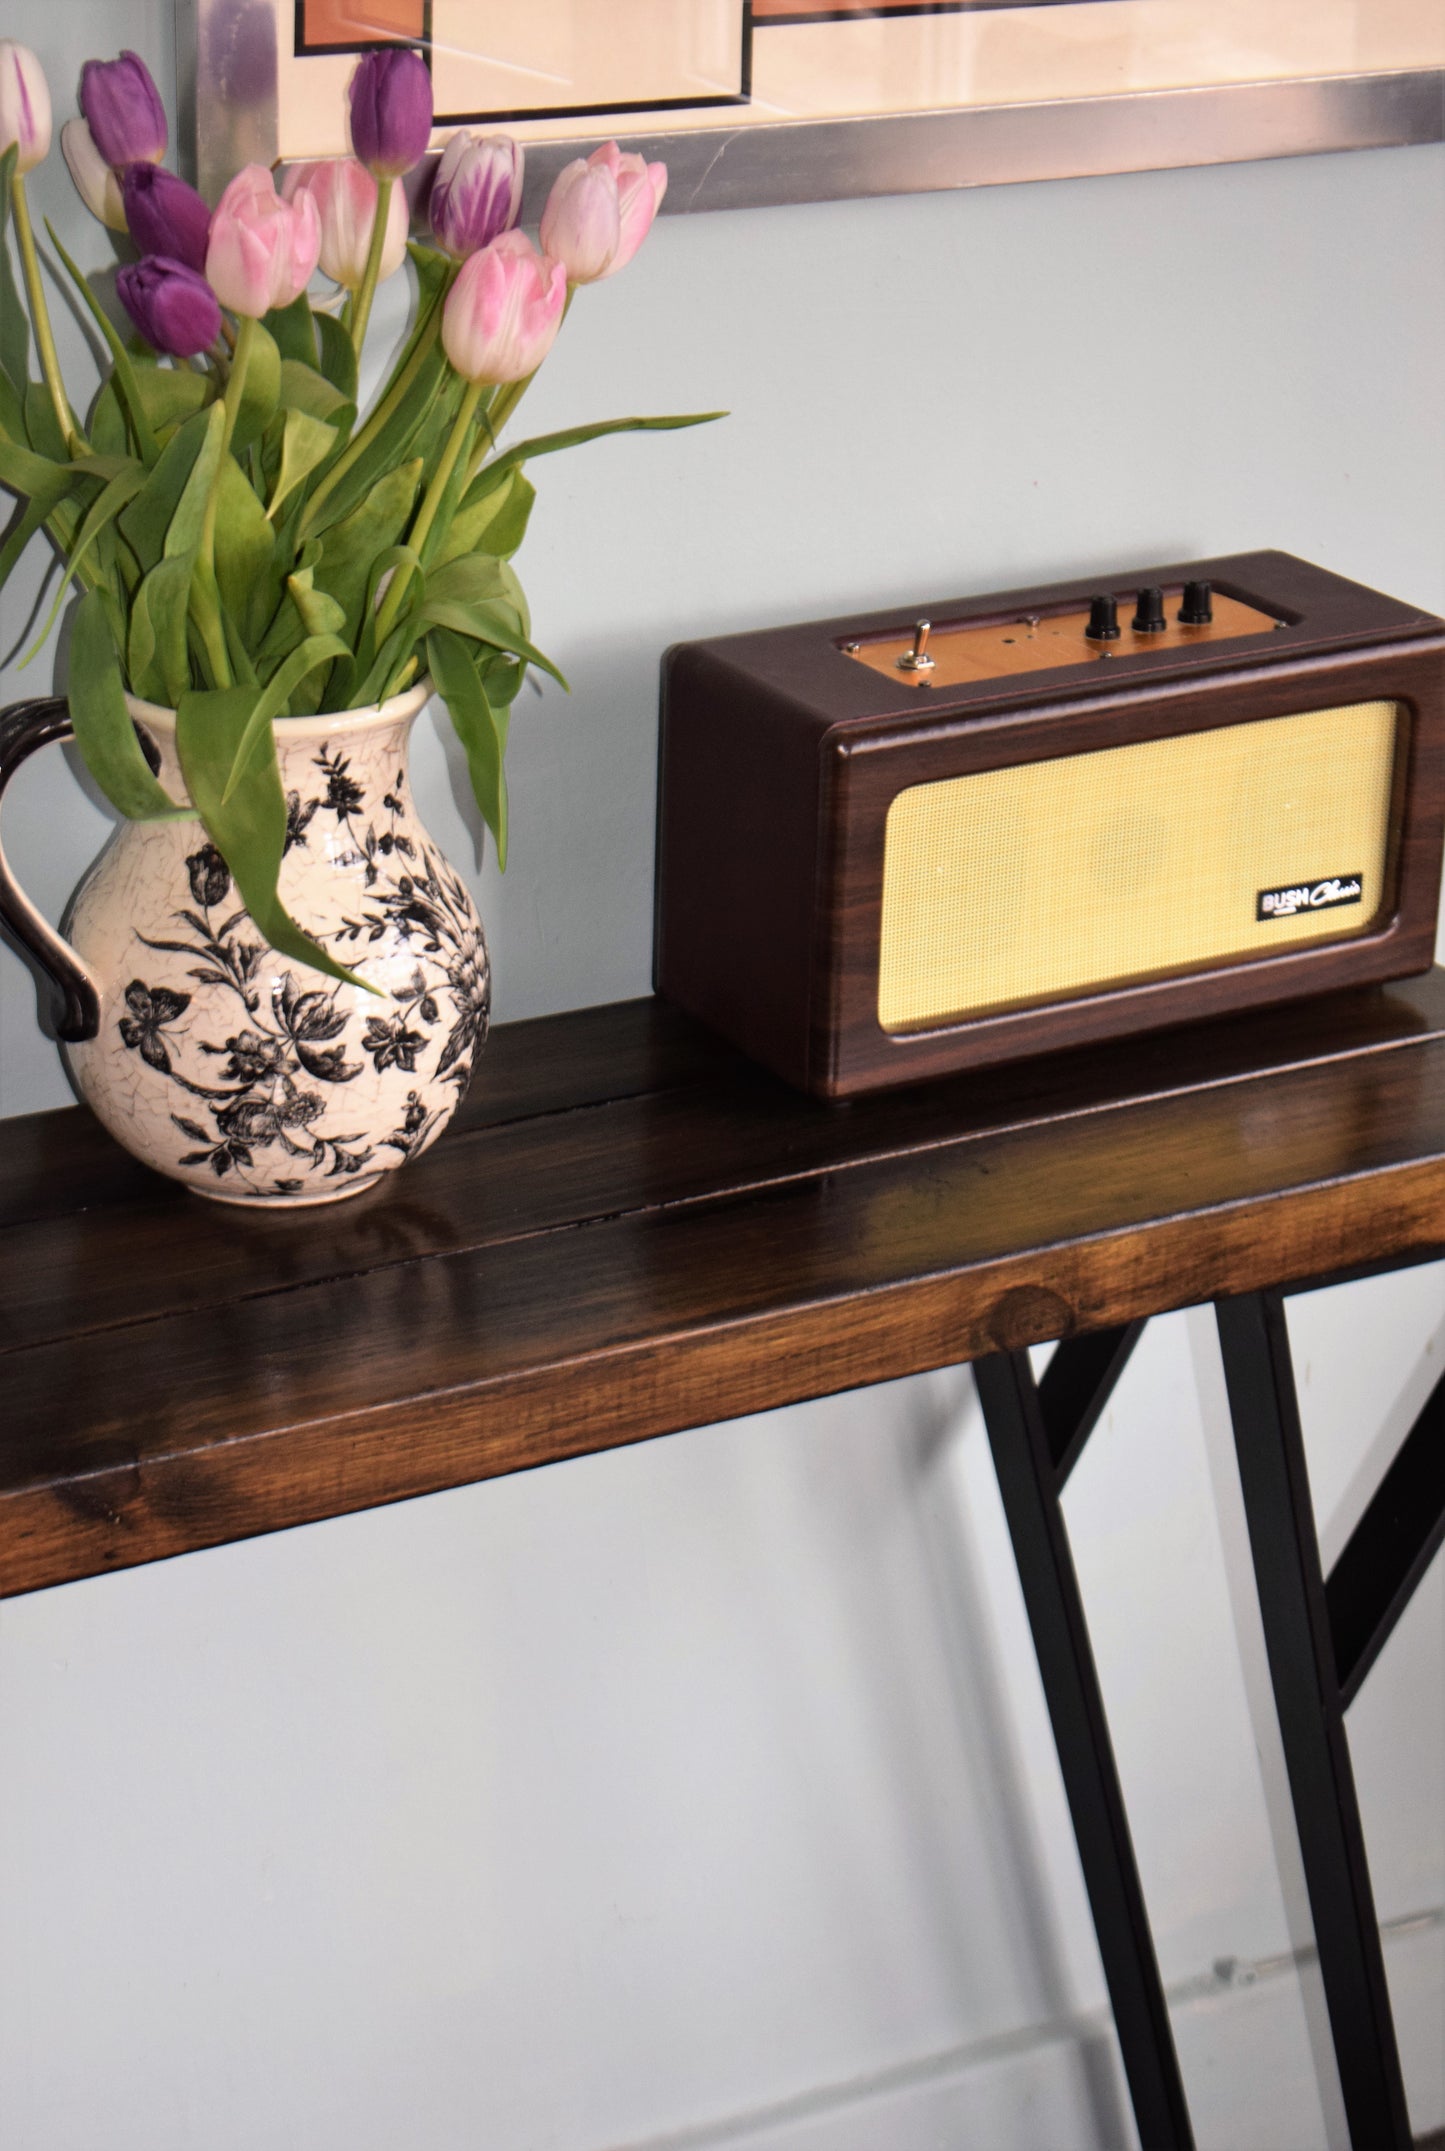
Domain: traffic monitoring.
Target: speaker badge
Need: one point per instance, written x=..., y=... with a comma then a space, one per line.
x=1295, y=897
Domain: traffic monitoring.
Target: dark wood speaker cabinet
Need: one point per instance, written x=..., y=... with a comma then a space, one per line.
x=783, y=752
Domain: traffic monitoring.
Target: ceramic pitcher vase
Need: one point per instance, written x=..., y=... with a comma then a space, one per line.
x=247, y=1075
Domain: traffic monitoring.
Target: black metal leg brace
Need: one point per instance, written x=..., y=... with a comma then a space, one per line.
x=1030, y=1481
x=1307, y=1690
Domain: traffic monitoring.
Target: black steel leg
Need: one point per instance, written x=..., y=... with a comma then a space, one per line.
x=1030, y=1481
x=1308, y=1698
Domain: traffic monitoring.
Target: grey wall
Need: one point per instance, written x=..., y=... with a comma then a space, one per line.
x=702, y=1793
x=927, y=391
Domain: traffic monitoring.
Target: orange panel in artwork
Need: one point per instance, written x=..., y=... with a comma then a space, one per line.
x=363, y=22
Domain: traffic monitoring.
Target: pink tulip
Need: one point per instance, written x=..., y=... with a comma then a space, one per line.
x=345, y=196
x=600, y=210
x=581, y=224
x=262, y=250
x=640, y=188
x=504, y=311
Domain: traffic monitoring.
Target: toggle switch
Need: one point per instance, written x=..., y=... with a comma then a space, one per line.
x=1149, y=612
x=1103, y=620
x=917, y=659
x=1197, y=609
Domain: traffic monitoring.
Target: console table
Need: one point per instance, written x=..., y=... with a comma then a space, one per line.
x=630, y=1230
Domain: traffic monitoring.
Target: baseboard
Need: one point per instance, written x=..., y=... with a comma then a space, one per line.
x=1243, y=2048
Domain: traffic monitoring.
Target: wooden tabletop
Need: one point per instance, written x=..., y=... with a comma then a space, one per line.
x=630, y=1230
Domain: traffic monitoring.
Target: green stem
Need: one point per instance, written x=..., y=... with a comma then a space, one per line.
x=507, y=400
x=497, y=415
x=40, y=314
x=372, y=271
x=426, y=514
x=206, y=557
x=384, y=412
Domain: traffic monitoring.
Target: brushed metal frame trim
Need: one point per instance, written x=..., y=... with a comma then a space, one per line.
x=1001, y=145
x=229, y=121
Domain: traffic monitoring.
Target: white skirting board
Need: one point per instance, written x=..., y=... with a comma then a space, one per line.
x=1061, y=2087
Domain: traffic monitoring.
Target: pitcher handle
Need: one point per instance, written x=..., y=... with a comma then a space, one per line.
x=24, y=727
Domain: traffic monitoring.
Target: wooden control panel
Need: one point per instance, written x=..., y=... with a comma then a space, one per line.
x=1040, y=642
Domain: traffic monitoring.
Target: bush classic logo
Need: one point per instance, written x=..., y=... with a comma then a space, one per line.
x=1288, y=902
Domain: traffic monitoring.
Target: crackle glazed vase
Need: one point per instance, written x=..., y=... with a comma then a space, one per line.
x=243, y=1073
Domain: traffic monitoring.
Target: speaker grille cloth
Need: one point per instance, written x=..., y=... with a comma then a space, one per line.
x=1047, y=879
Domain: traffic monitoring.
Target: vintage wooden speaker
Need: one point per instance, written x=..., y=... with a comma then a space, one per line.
x=890, y=847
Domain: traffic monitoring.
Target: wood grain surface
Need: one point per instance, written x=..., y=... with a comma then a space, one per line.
x=1034, y=643
x=631, y=1230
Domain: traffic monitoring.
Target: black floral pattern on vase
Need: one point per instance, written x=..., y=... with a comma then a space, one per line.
x=282, y=1066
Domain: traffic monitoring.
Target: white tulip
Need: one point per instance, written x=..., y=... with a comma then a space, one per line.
x=95, y=182
x=24, y=105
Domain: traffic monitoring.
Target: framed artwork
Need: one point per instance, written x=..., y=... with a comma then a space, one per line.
x=754, y=101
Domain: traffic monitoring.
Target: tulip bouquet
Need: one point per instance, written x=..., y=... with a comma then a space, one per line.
x=248, y=543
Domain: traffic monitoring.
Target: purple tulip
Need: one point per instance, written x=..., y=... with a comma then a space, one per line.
x=174, y=308
x=391, y=111
x=124, y=111
x=477, y=192
x=166, y=216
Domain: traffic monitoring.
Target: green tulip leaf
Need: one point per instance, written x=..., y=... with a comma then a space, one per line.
x=320, y=614
x=249, y=829
x=435, y=274
x=338, y=358
x=292, y=330
x=12, y=410
x=303, y=390
x=20, y=535
x=502, y=676
x=37, y=477
x=317, y=650
x=496, y=523
x=172, y=394
x=245, y=552
x=475, y=579
x=157, y=657
x=548, y=444
x=479, y=618
x=351, y=548
x=306, y=442
x=102, y=512
x=261, y=390
x=159, y=660
x=42, y=427
x=184, y=532
x=107, y=427
x=242, y=664
x=127, y=385
x=386, y=670
x=14, y=321
x=145, y=522
x=376, y=457
x=103, y=729
x=481, y=729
